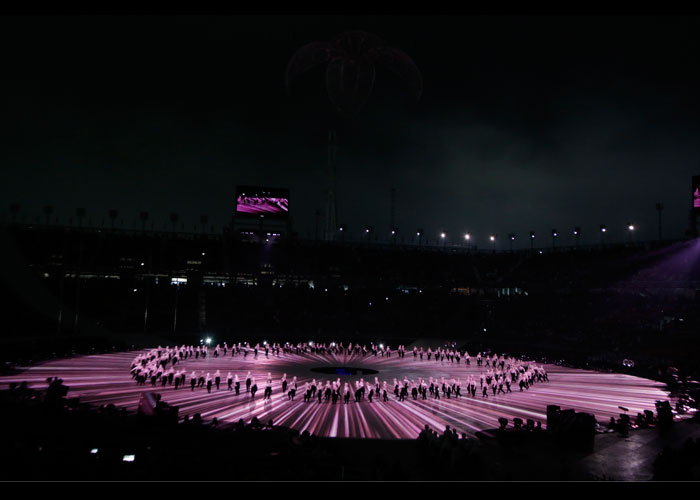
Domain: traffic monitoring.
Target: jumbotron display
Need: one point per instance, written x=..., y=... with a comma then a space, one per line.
x=255, y=200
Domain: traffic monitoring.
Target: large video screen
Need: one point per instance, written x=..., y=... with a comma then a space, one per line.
x=696, y=193
x=252, y=200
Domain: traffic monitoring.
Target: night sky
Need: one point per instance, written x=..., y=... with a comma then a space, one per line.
x=525, y=123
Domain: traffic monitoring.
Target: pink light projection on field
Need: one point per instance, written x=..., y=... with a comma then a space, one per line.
x=104, y=379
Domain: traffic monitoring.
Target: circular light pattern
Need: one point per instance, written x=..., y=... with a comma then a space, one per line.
x=104, y=379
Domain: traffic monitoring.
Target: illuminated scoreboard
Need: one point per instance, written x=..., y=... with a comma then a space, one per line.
x=256, y=201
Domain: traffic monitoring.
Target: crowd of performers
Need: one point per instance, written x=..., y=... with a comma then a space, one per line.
x=502, y=373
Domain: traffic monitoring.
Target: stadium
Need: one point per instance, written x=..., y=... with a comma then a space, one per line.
x=400, y=310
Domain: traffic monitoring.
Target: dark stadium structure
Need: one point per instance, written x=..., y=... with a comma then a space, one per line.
x=590, y=314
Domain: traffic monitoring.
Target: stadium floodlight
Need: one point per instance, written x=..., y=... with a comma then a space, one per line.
x=630, y=227
x=208, y=340
x=467, y=236
x=492, y=238
x=511, y=237
x=442, y=235
x=603, y=228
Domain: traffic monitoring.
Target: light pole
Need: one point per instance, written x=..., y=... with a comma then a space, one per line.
x=554, y=238
x=659, y=208
x=317, y=214
x=173, y=219
x=419, y=233
x=532, y=240
x=603, y=230
x=511, y=237
x=80, y=213
x=467, y=237
x=493, y=240
x=48, y=211
x=14, y=210
x=113, y=215
x=144, y=218
x=577, y=233
x=630, y=228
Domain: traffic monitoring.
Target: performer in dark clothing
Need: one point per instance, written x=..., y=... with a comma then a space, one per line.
x=253, y=390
